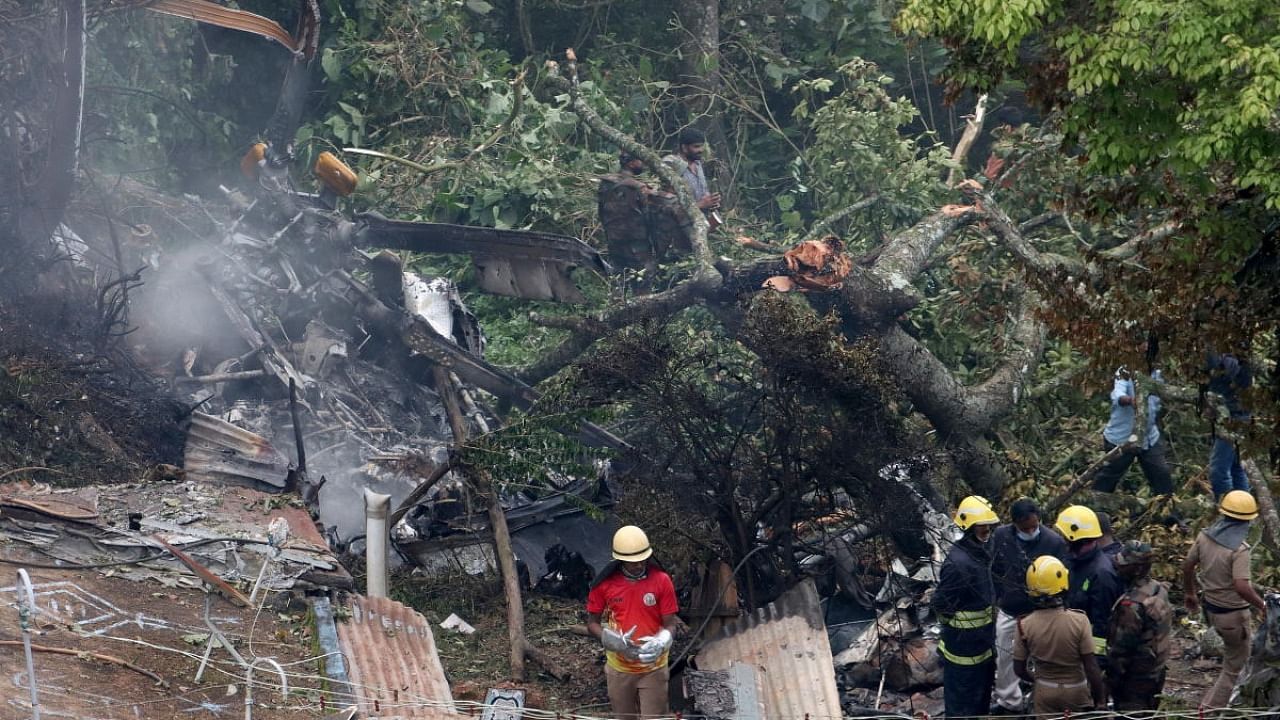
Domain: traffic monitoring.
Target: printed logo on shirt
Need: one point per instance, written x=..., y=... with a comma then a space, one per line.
x=650, y=599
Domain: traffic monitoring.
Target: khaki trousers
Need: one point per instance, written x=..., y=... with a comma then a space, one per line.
x=1052, y=699
x=1234, y=628
x=637, y=695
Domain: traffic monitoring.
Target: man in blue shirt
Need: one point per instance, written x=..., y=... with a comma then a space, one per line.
x=1150, y=447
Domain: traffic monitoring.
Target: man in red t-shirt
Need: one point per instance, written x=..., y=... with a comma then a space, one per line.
x=632, y=609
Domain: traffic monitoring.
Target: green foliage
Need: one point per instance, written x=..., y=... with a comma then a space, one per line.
x=1189, y=88
x=859, y=149
x=165, y=101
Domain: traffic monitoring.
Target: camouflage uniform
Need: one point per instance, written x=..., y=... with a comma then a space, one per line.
x=641, y=224
x=1138, y=644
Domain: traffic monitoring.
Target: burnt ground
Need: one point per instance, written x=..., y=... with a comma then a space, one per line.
x=78, y=414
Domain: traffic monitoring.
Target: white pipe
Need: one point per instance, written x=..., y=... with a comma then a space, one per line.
x=26, y=611
x=248, y=684
x=376, y=542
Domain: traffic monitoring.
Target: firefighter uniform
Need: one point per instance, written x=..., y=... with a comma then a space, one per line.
x=1095, y=587
x=964, y=602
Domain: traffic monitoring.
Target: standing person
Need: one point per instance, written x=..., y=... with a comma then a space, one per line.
x=1108, y=543
x=1094, y=583
x=1151, y=446
x=1223, y=558
x=1054, y=646
x=632, y=609
x=1138, y=642
x=1013, y=547
x=687, y=163
x=1228, y=377
x=964, y=602
x=641, y=223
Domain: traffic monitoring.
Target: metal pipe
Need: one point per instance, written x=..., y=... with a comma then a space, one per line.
x=376, y=540
x=26, y=611
x=248, y=684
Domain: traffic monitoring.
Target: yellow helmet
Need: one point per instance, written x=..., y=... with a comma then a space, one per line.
x=1046, y=577
x=1238, y=504
x=975, y=510
x=630, y=544
x=1078, y=523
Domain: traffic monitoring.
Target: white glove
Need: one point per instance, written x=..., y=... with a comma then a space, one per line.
x=653, y=646
x=619, y=642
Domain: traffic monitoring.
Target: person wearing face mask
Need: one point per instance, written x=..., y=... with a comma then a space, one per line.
x=1095, y=586
x=1013, y=547
x=964, y=601
x=632, y=610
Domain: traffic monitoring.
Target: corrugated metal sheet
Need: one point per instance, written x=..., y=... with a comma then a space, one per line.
x=393, y=663
x=785, y=644
x=218, y=451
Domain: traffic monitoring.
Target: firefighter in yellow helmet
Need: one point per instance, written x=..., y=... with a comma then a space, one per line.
x=632, y=609
x=1223, y=558
x=1095, y=585
x=1054, y=646
x=964, y=602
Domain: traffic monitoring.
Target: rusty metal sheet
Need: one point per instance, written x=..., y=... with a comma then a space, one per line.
x=785, y=644
x=218, y=451
x=393, y=664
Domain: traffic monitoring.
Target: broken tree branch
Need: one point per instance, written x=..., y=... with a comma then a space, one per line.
x=420, y=492
x=994, y=397
x=547, y=662
x=821, y=227
x=908, y=252
x=972, y=128
x=1266, y=503
x=705, y=275
x=85, y=654
x=1085, y=477
x=661, y=304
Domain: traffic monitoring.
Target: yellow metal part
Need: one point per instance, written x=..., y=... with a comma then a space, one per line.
x=249, y=163
x=335, y=174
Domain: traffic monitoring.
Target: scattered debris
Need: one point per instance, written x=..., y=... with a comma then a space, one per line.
x=457, y=624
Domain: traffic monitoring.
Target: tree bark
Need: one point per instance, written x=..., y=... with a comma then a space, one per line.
x=497, y=523
x=700, y=72
x=45, y=204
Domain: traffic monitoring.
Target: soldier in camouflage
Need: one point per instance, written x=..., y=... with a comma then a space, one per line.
x=1138, y=643
x=642, y=224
